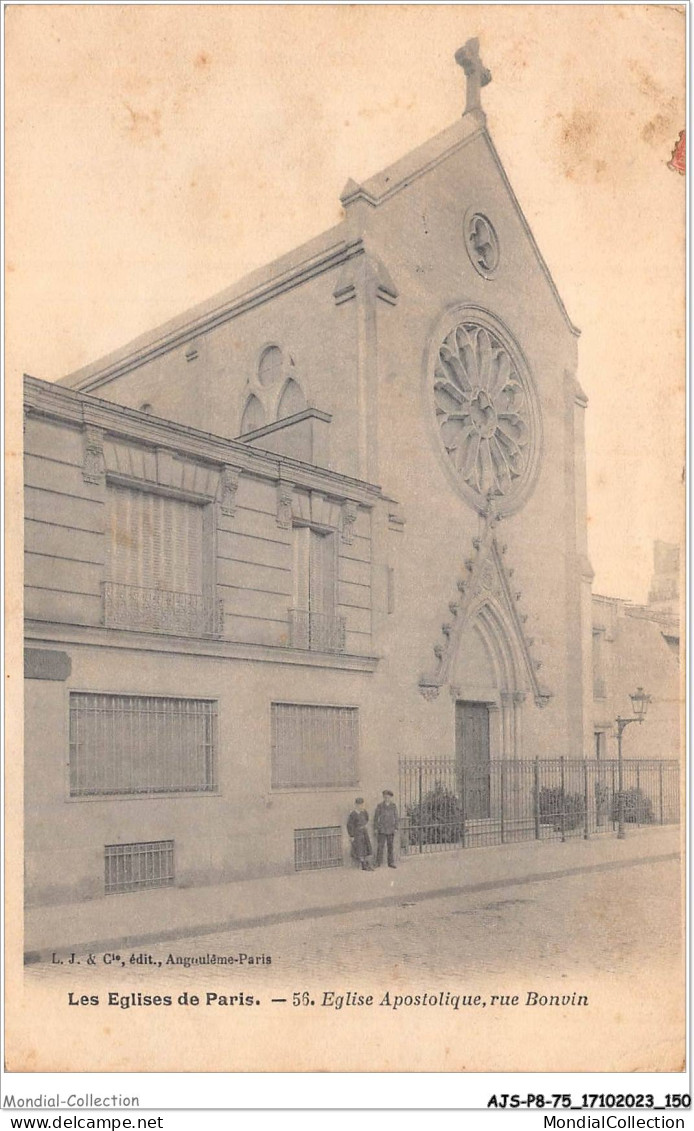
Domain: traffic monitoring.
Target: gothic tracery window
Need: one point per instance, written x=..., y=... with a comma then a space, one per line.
x=291, y=401
x=270, y=366
x=253, y=415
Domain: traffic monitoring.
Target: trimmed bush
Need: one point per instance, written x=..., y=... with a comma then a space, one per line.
x=437, y=819
x=560, y=808
x=638, y=808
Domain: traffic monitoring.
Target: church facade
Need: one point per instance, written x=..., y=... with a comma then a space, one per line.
x=332, y=518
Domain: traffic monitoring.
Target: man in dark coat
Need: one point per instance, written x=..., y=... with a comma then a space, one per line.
x=385, y=827
x=356, y=828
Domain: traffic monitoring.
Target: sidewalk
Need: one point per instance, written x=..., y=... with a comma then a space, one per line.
x=152, y=916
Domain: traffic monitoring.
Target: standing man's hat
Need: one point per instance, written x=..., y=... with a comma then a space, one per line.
x=358, y=800
x=387, y=793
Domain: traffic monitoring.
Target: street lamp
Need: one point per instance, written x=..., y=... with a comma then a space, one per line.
x=639, y=703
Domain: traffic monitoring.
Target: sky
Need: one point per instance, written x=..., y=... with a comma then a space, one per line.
x=155, y=154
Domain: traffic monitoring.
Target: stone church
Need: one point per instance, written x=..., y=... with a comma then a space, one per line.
x=300, y=533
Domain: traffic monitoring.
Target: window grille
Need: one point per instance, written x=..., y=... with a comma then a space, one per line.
x=317, y=848
x=125, y=744
x=314, y=746
x=133, y=867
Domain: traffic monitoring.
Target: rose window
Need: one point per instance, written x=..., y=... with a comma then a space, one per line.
x=486, y=413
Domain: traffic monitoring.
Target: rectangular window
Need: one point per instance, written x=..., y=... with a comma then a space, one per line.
x=138, y=744
x=599, y=685
x=155, y=541
x=156, y=579
x=314, y=747
x=313, y=619
x=132, y=867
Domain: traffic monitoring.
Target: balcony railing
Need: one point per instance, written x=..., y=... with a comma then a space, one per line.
x=317, y=632
x=160, y=610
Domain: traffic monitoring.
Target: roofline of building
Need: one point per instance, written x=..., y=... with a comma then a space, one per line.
x=324, y=252
x=285, y=422
x=659, y=617
x=379, y=188
x=533, y=242
x=46, y=398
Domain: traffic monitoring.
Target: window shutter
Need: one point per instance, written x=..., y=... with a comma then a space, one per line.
x=322, y=573
x=301, y=540
x=155, y=541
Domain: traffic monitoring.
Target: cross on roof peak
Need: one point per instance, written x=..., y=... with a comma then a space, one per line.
x=477, y=75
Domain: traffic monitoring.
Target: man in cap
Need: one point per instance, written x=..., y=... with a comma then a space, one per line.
x=385, y=827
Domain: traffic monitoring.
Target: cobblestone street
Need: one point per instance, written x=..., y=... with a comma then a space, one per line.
x=605, y=924
x=611, y=937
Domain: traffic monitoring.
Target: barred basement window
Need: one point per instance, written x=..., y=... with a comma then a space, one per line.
x=317, y=848
x=314, y=746
x=130, y=744
x=132, y=867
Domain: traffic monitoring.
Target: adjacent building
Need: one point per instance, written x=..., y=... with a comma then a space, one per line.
x=639, y=645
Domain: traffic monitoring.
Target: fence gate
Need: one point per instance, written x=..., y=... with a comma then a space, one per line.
x=457, y=802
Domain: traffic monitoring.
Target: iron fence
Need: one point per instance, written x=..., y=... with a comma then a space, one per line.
x=444, y=804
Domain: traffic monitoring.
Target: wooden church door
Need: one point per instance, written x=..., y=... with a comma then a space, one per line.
x=472, y=757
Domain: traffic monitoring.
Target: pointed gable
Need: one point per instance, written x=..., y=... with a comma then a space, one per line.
x=486, y=598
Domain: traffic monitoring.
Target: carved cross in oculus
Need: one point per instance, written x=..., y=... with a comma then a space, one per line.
x=477, y=75
x=484, y=246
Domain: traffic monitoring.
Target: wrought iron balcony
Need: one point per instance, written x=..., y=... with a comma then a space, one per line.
x=161, y=610
x=317, y=632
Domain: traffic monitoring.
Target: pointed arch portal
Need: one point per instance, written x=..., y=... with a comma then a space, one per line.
x=486, y=660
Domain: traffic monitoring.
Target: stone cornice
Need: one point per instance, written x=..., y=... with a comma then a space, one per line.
x=97, y=636
x=285, y=422
x=54, y=401
x=177, y=333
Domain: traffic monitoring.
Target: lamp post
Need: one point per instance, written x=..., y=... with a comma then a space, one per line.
x=639, y=702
